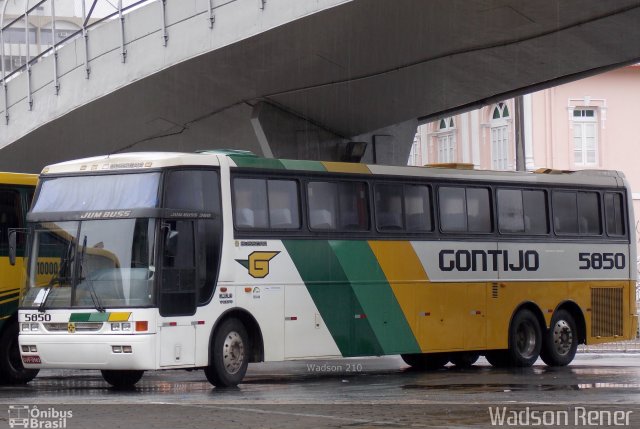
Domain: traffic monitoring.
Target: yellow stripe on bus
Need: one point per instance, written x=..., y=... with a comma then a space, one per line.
x=119, y=316
x=346, y=167
x=405, y=274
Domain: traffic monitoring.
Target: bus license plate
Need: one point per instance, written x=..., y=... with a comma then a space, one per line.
x=31, y=359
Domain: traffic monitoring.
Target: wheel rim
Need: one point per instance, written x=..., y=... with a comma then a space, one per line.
x=526, y=339
x=233, y=349
x=562, y=337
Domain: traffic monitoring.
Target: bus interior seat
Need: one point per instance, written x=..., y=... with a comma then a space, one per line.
x=245, y=218
x=388, y=220
x=281, y=218
x=321, y=219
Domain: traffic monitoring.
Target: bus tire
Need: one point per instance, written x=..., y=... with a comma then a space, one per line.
x=560, y=341
x=525, y=339
x=426, y=361
x=498, y=358
x=464, y=359
x=122, y=378
x=11, y=369
x=229, y=354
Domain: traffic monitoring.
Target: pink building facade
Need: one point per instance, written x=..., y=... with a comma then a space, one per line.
x=588, y=123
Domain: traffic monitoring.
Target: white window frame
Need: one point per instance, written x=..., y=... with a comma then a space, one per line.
x=500, y=131
x=581, y=124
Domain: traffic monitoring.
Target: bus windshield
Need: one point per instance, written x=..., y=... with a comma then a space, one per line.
x=100, y=192
x=96, y=263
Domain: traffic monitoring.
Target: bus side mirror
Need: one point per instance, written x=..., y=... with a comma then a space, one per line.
x=171, y=243
x=12, y=247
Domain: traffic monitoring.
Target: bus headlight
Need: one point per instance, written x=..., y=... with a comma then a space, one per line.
x=115, y=326
x=29, y=327
x=126, y=326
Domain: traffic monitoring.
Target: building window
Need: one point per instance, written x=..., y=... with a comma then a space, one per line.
x=446, y=141
x=500, y=137
x=585, y=137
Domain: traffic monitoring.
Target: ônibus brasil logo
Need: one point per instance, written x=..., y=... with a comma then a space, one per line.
x=26, y=416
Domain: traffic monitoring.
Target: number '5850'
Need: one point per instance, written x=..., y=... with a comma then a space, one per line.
x=601, y=261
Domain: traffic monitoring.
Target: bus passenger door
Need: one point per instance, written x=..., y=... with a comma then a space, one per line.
x=177, y=297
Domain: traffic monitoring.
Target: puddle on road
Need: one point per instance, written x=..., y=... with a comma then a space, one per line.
x=475, y=388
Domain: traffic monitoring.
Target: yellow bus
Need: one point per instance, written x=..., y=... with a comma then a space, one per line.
x=16, y=192
x=214, y=260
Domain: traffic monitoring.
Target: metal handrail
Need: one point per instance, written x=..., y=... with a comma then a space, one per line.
x=59, y=44
x=86, y=26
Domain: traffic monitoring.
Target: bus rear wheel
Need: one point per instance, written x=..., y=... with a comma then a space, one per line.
x=525, y=339
x=426, y=361
x=560, y=341
x=11, y=369
x=464, y=359
x=229, y=354
x=498, y=358
x=120, y=378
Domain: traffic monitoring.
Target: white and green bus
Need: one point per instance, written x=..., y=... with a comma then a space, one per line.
x=213, y=260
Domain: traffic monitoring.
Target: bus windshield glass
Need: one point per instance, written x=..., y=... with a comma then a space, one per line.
x=100, y=192
x=91, y=264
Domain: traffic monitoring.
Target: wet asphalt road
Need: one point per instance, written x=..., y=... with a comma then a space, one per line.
x=595, y=390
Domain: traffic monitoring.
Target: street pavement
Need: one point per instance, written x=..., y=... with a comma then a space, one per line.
x=596, y=390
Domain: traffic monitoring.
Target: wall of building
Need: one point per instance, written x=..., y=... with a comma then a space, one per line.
x=550, y=140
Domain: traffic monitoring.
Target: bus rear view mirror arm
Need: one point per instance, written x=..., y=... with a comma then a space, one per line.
x=171, y=243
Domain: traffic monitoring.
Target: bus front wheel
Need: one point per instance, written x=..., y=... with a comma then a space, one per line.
x=464, y=359
x=525, y=339
x=122, y=378
x=229, y=354
x=560, y=341
x=11, y=369
x=426, y=361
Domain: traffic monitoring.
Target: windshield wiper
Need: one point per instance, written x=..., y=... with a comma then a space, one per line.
x=92, y=292
x=61, y=276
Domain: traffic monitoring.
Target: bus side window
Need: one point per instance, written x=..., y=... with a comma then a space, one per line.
x=323, y=205
x=417, y=207
x=589, y=213
x=10, y=214
x=614, y=213
x=565, y=212
x=535, y=212
x=389, y=211
x=453, y=217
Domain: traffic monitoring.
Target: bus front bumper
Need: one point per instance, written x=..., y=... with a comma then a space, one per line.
x=88, y=351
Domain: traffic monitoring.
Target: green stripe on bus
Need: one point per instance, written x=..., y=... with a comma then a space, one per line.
x=79, y=317
x=376, y=296
x=295, y=164
x=98, y=317
x=255, y=162
x=329, y=288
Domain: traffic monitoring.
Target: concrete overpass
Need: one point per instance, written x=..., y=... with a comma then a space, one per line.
x=299, y=78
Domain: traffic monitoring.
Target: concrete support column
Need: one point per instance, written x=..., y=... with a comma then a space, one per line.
x=390, y=145
x=285, y=135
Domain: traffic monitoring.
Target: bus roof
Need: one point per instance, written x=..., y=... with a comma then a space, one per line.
x=18, y=179
x=151, y=160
